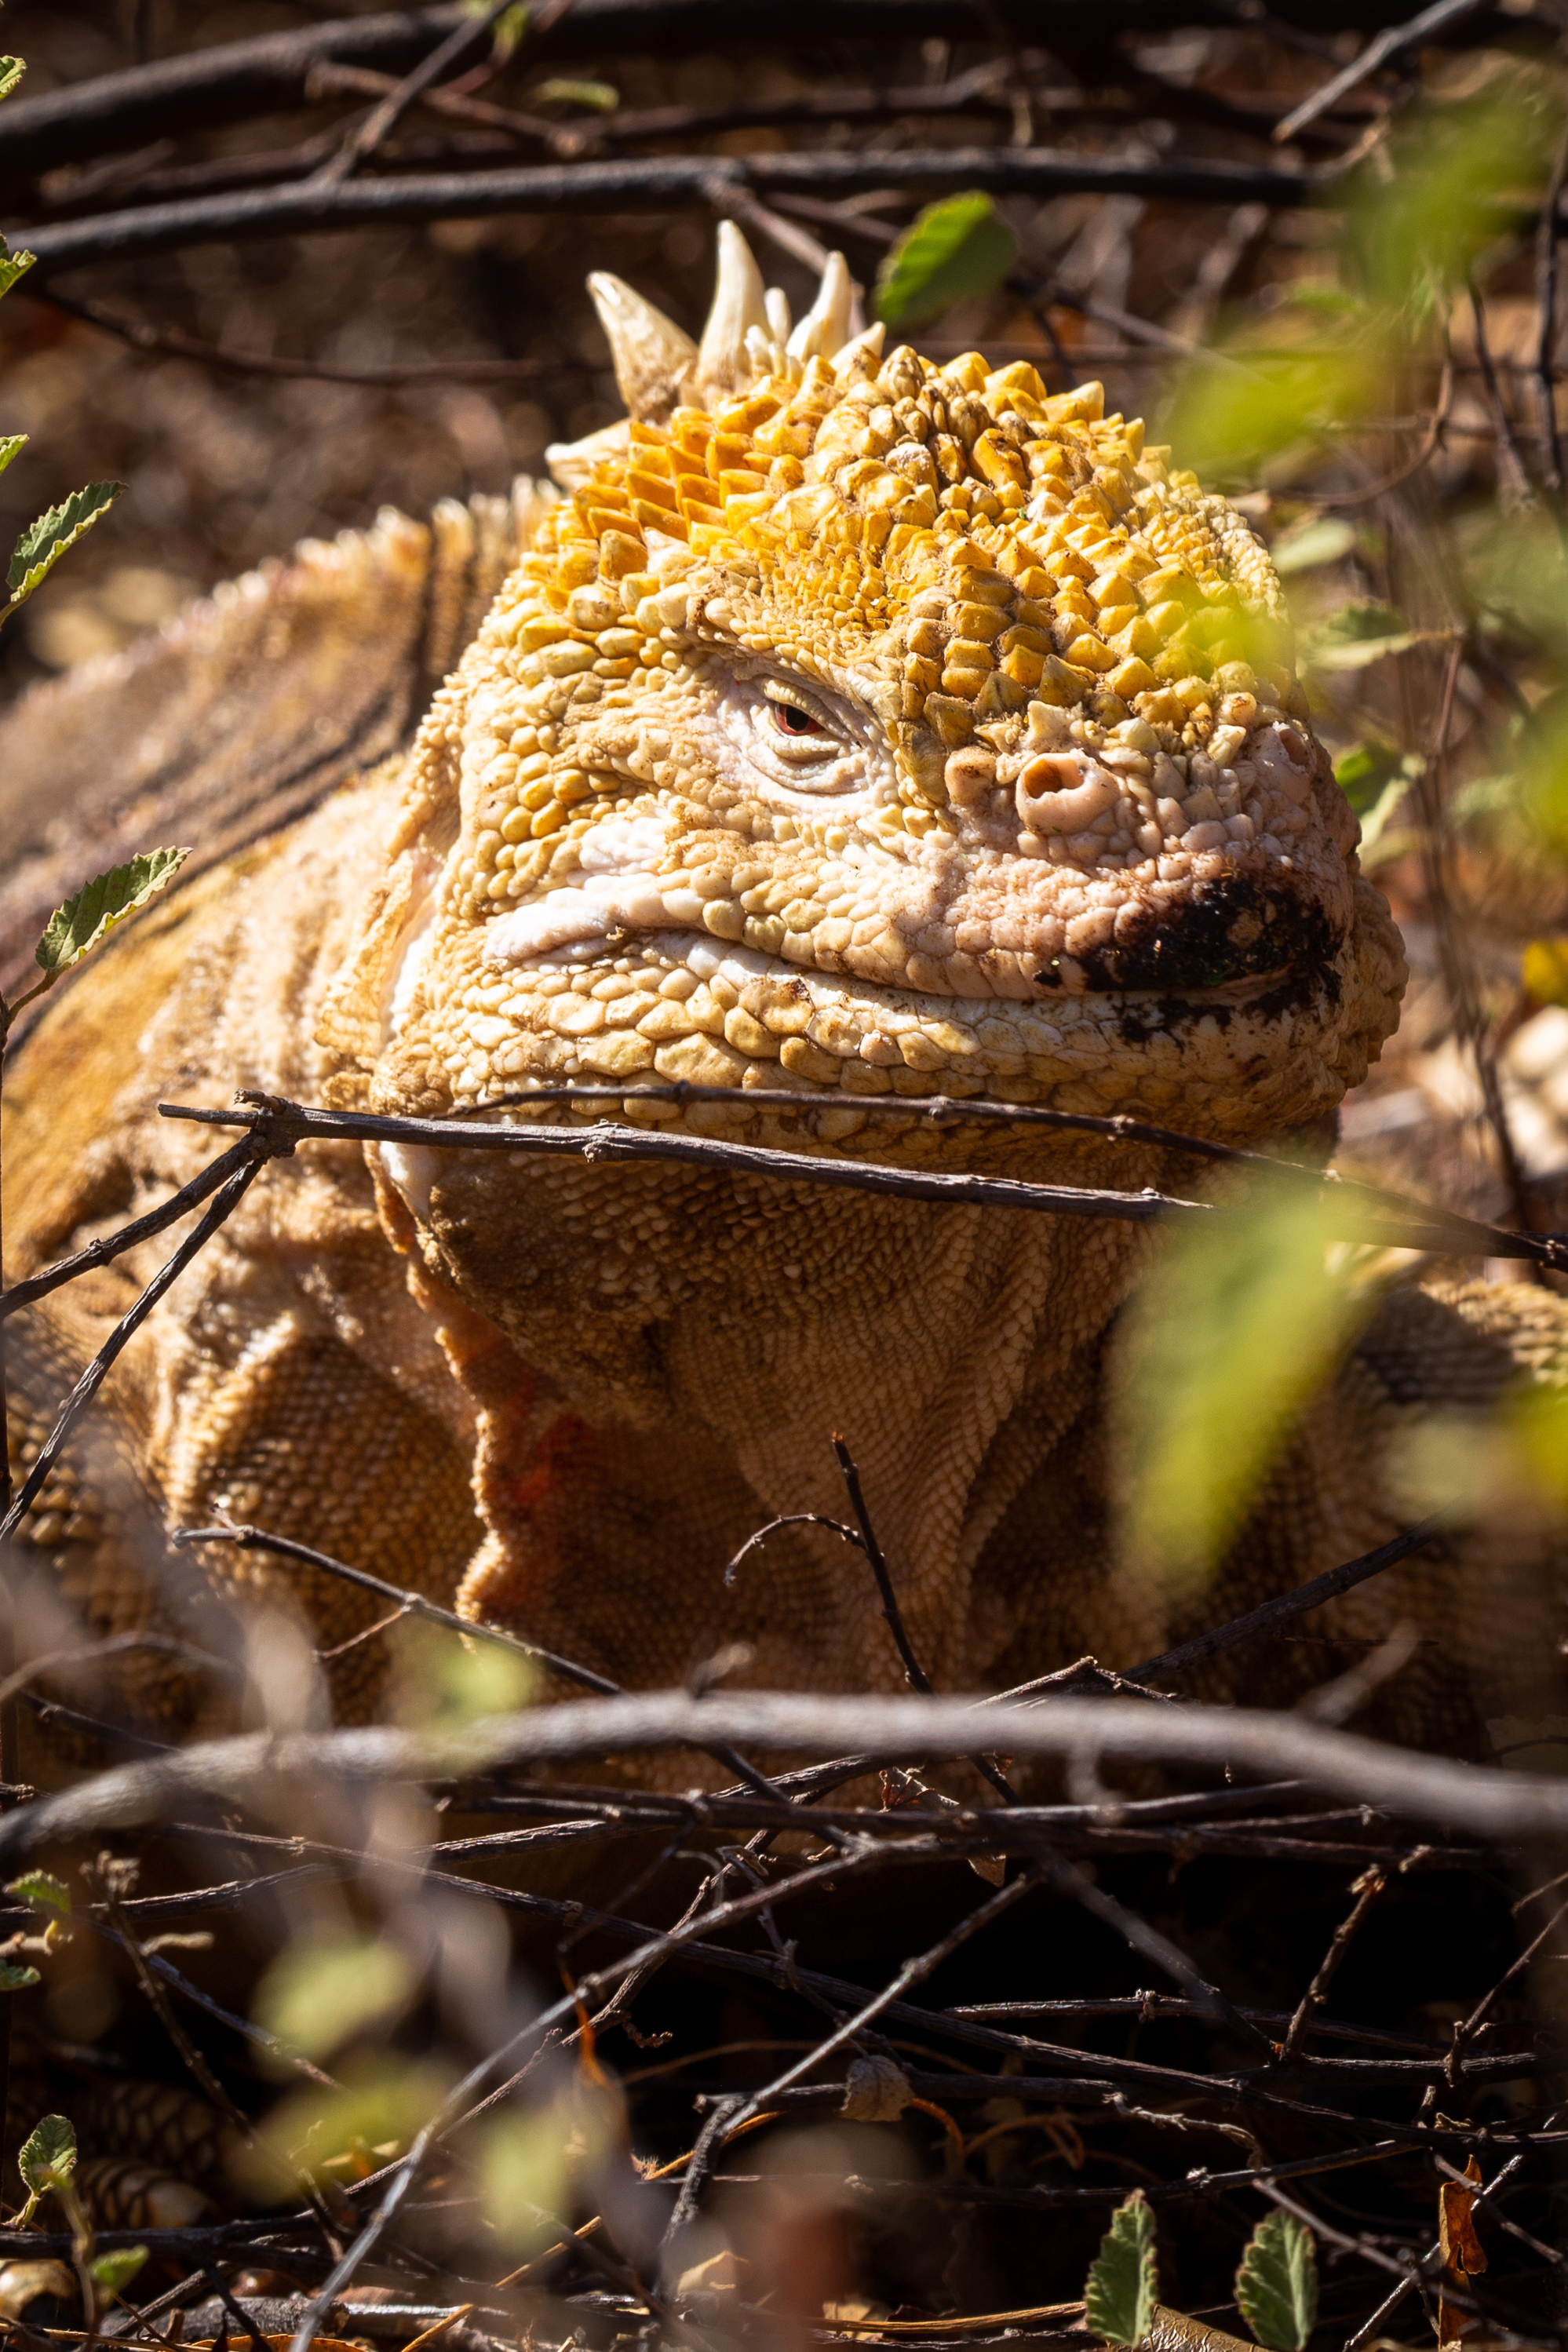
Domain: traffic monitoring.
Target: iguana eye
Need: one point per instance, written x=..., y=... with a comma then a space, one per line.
x=791, y=721
x=791, y=742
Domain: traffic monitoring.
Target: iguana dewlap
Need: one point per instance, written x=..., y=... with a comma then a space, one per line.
x=851, y=726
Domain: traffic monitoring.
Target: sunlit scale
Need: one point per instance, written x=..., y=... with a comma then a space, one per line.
x=864, y=725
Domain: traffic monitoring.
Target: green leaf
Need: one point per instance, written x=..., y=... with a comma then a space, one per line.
x=1324, y=539
x=598, y=97
x=509, y=27
x=1234, y=1329
x=43, y=1890
x=101, y=903
x=44, y=542
x=12, y=267
x=15, y=1979
x=11, y=72
x=11, y=445
x=1277, y=2285
x=1121, y=2291
x=114, y=2272
x=953, y=248
x=1358, y=635
x=321, y=1992
x=49, y=2155
x=1360, y=621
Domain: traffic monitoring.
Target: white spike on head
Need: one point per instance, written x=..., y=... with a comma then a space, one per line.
x=777, y=305
x=652, y=356
x=827, y=324
x=738, y=303
x=869, y=341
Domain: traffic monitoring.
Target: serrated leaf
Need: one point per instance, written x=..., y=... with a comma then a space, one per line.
x=598, y=97
x=11, y=72
x=953, y=248
x=43, y=1890
x=15, y=1979
x=44, y=542
x=1277, y=2285
x=1120, y=2290
x=101, y=903
x=49, y=2155
x=114, y=2272
x=11, y=445
x=12, y=267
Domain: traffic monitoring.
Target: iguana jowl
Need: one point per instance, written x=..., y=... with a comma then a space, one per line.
x=851, y=725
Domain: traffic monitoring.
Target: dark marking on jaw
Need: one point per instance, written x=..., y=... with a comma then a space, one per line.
x=1235, y=928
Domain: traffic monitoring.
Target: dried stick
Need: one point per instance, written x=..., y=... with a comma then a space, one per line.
x=1366, y=1890
x=109, y=1874
x=329, y=80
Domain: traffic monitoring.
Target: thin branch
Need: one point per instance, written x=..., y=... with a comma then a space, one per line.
x=914, y=1673
x=1515, y=489
x=329, y=80
x=140, y=1229
x=410, y=1603
x=1431, y=442
x=1269, y=1615
x=249, y=1539
x=1377, y=52
x=1548, y=236
x=173, y=342
x=92, y=1379
x=367, y=136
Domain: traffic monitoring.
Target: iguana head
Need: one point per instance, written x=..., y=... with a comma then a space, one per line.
x=862, y=725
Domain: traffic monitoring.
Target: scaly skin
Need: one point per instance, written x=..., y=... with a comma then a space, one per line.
x=877, y=730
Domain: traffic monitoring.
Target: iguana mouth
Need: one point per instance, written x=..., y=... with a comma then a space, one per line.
x=1236, y=939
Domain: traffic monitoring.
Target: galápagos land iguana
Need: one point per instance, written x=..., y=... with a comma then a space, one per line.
x=848, y=725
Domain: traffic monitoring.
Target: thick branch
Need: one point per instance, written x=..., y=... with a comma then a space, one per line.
x=655, y=183
x=1382, y=1218
x=1482, y=1802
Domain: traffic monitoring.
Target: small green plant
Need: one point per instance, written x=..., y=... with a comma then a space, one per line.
x=1276, y=2282
x=47, y=2161
x=45, y=541
x=1277, y=2285
x=1121, y=2291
